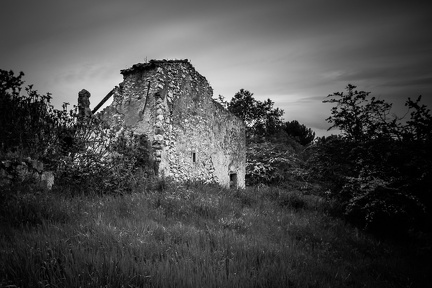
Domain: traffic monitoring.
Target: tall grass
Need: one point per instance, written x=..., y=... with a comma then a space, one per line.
x=192, y=236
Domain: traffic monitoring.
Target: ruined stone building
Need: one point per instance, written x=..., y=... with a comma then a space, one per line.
x=193, y=137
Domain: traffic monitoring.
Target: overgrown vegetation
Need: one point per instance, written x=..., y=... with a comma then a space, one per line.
x=379, y=168
x=107, y=223
x=104, y=161
x=195, y=236
x=29, y=125
x=86, y=156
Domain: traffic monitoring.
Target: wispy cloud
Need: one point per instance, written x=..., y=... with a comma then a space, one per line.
x=289, y=51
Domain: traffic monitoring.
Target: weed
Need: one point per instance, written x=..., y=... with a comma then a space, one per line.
x=195, y=236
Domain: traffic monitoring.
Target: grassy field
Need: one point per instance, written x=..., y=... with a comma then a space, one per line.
x=196, y=236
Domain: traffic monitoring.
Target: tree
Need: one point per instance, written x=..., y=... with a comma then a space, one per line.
x=299, y=132
x=358, y=117
x=28, y=123
x=261, y=118
x=419, y=127
x=380, y=167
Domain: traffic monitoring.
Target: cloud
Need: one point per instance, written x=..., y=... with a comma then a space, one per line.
x=288, y=51
x=425, y=81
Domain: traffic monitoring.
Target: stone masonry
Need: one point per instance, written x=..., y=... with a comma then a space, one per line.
x=16, y=170
x=84, y=104
x=193, y=137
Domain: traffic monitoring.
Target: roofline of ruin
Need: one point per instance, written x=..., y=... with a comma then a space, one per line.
x=151, y=65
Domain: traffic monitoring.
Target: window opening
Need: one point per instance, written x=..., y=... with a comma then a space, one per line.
x=193, y=157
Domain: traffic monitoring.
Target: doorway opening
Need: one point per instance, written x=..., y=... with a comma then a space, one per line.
x=233, y=180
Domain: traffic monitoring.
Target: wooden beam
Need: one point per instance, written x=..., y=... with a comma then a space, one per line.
x=103, y=101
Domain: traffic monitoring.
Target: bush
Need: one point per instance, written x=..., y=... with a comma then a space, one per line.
x=379, y=169
x=105, y=161
x=379, y=207
x=272, y=164
x=381, y=184
x=29, y=125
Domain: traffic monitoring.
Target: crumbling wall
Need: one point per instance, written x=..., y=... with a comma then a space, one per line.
x=206, y=142
x=192, y=136
x=84, y=104
x=18, y=170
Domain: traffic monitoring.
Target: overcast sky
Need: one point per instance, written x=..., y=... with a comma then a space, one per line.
x=293, y=52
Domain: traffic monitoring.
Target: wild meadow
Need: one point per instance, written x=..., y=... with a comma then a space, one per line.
x=195, y=235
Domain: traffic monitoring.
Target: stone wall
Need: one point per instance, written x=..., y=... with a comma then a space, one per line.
x=193, y=137
x=84, y=104
x=16, y=170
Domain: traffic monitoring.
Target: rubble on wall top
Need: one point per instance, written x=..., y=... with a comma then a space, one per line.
x=175, y=64
x=152, y=64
